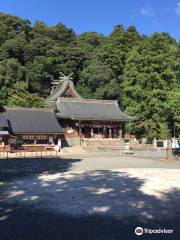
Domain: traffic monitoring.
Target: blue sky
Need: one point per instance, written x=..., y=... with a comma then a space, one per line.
x=101, y=15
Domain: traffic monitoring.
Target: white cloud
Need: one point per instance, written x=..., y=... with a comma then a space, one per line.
x=147, y=11
x=177, y=9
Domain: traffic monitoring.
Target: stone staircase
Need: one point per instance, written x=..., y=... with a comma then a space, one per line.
x=113, y=145
x=102, y=142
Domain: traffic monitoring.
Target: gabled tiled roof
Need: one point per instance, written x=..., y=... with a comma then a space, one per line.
x=32, y=120
x=61, y=89
x=90, y=109
x=3, y=121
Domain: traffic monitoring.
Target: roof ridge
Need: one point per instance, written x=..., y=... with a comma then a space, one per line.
x=61, y=89
x=29, y=108
x=88, y=100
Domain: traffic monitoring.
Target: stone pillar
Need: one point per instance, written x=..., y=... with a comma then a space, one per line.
x=92, y=133
x=120, y=133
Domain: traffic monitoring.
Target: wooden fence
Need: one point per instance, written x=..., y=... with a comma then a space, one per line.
x=27, y=154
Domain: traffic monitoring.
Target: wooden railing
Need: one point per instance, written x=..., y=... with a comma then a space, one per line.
x=27, y=154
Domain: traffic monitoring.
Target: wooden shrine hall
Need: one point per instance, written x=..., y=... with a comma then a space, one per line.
x=35, y=128
x=85, y=118
x=67, y=117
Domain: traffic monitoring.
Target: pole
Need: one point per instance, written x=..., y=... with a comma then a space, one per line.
x=174, y=130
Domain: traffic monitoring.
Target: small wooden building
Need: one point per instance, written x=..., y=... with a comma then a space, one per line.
x=35, y=127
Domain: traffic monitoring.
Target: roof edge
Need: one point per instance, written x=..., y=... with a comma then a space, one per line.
x=34, y=133
x=95, y=119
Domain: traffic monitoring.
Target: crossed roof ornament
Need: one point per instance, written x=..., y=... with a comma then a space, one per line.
x=62, y=78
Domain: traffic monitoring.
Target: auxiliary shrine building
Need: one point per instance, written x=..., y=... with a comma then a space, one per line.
x=35, y=127
x=68, y=117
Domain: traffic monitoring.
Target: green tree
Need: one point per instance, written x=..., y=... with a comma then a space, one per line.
x=97, y=82
x=11, y=26
x=39, y=74
x=10, y=73
x=21, y=97
x=149, y=75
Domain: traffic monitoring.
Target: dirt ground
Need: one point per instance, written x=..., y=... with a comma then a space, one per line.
x=91, y=196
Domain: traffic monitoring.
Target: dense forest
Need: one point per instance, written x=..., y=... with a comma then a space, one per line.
x=141, y=72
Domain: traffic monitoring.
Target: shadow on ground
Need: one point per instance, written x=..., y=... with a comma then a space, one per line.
x=27, y=223
x=11, y=169
x=102, y=220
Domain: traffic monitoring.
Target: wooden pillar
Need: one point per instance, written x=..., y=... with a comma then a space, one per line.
x=116, y=131
x=80, y=132
x=104, y=131
x=79, y=128
x=110, y=133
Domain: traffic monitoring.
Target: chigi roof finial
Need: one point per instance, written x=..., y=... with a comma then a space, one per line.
x=62, y=78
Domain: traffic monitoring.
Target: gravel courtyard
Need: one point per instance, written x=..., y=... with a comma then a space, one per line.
x=90, y=196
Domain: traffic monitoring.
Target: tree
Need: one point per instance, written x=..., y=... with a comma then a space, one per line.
x=11, y=26
x=21, y=97
x=10, y=73
x=39, y=74
x=95, y=82
x=173, y=111
x=149, y=75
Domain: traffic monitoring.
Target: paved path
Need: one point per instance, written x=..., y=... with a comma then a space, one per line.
x=102, y=161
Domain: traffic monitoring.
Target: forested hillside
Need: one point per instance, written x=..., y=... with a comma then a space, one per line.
x=142, y=72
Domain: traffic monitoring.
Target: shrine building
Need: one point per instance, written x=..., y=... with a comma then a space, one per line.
x=67, y=118
x=85, y=118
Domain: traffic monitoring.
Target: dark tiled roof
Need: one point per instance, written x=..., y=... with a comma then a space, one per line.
x=60, y=90
x=3, y=121
x=32, y=120
x=90, y=109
